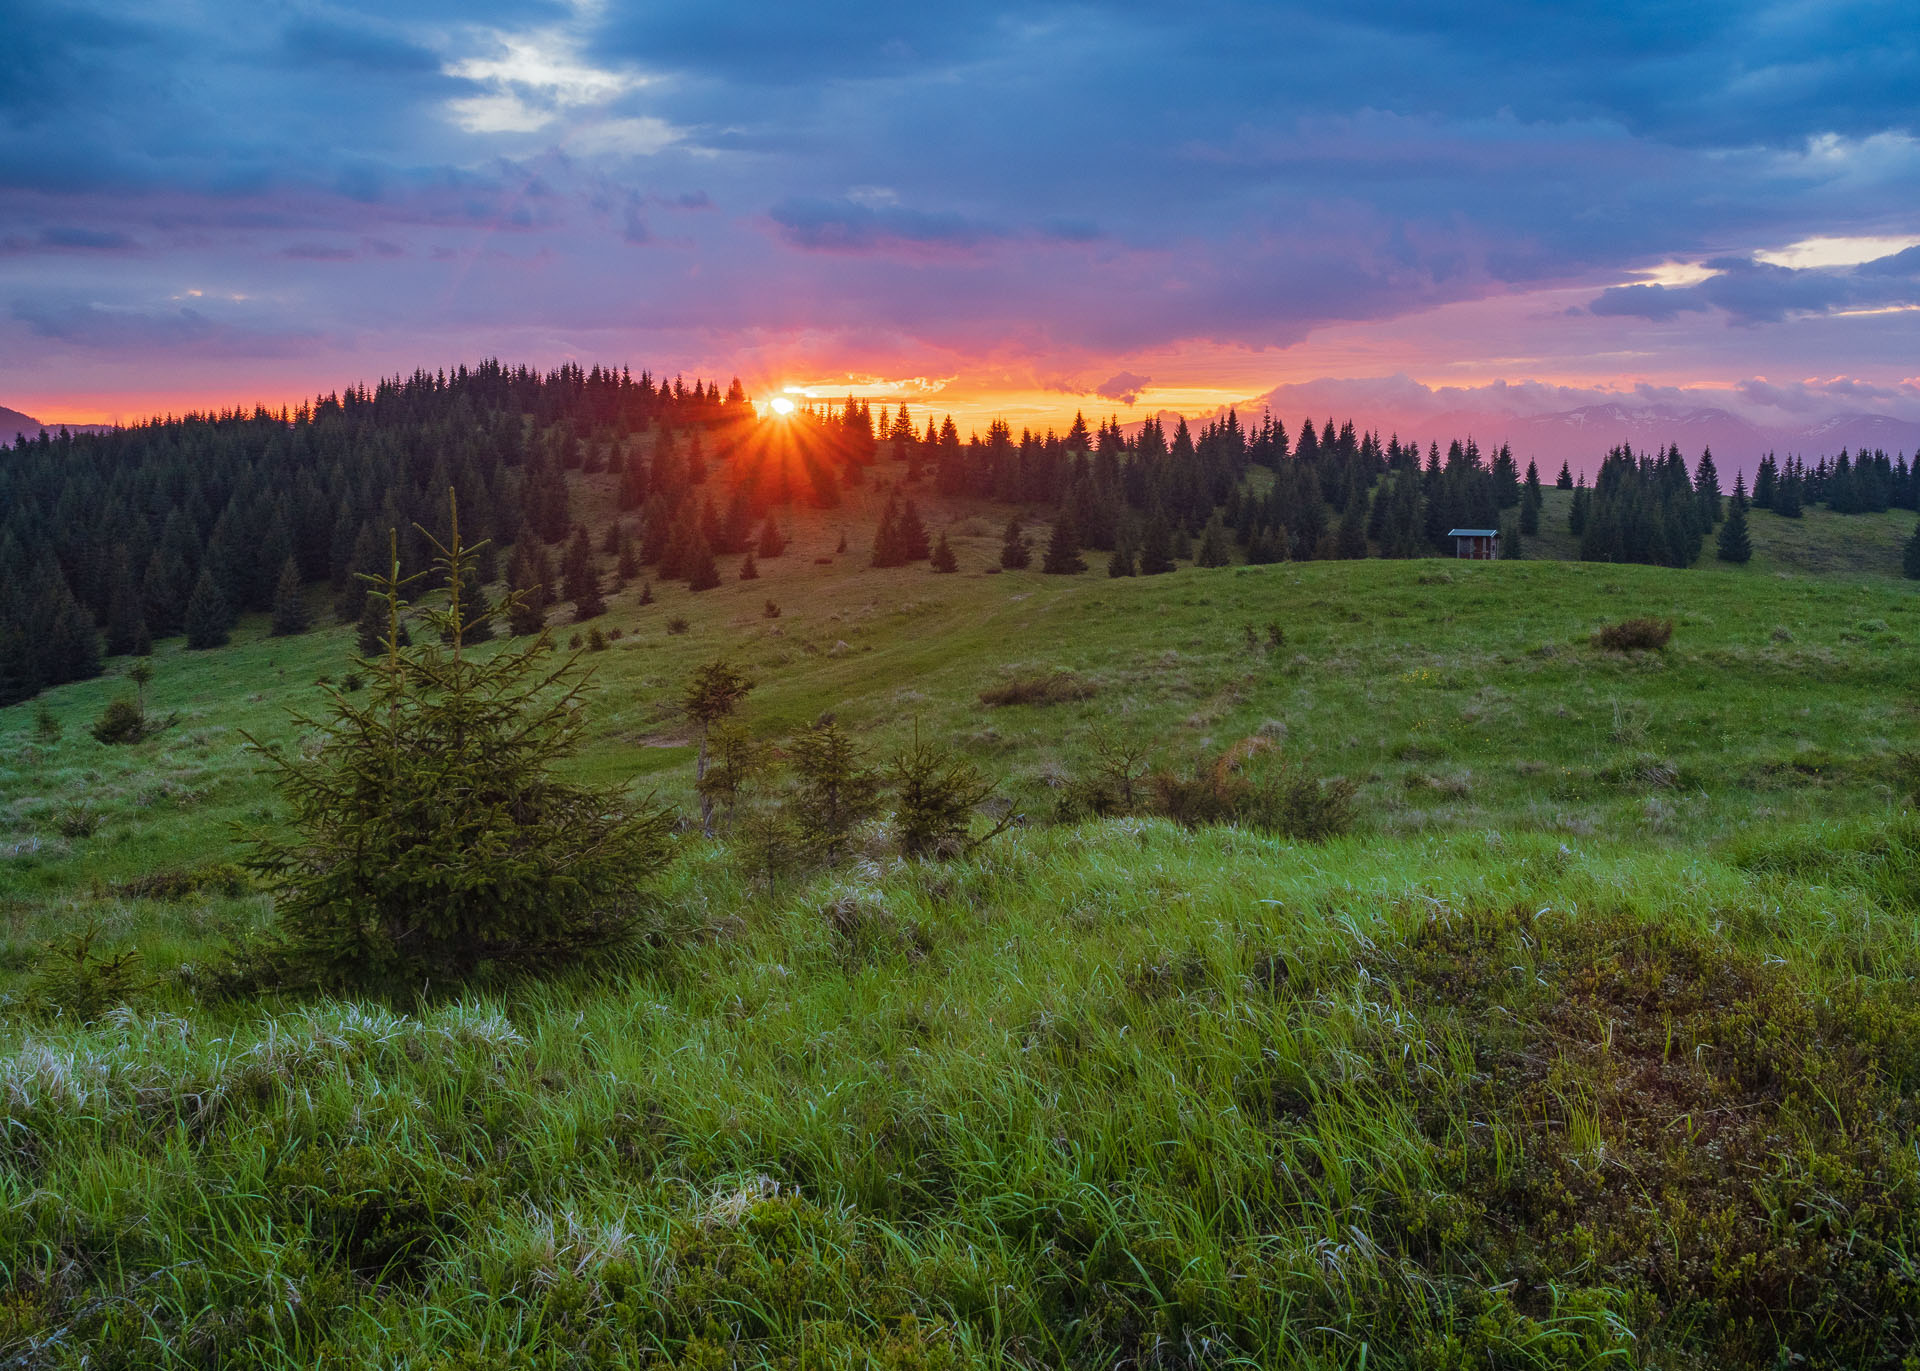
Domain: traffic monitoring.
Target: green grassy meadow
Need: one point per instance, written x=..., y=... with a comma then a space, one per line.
x=1595, y=1043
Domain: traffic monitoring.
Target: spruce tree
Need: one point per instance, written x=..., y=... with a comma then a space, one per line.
x=748, y=570
x=1015, y=553
x=432, y=833
x=166, y=588
x=1734, y=544
x=1706, y=487
x=1216, y=551
x=364, y=561
x=1156, y=547
x=125, y=622
x=912, y=532
x=772, y=541
x=887, y=550
x=711, y=697
x=835, y=791
x=207, y=618
x=476, y=613
x=525, y=605
x=1506, y=478
x=1530, y=499
x=581, y=579
x=698, y=565
x=943, y=558
x=1910, y=559
x=1565, y=480
x=1787, y=495
x=1063, y=549
x=289, y=602
x=1350, y=542
x=370, y=633
x=626, y=558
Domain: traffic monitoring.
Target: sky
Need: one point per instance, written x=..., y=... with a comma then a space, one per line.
x=984, y=209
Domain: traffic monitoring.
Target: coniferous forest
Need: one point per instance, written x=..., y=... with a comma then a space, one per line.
x=109, y=542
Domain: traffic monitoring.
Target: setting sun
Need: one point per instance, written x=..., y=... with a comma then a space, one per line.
x=781, y=405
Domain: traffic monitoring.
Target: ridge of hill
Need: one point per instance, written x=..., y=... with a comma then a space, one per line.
x=15, y=424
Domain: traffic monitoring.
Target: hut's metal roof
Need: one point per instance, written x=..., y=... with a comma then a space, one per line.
x=1473, y=533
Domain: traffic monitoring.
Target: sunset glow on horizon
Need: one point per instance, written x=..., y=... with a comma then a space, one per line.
x=946, y=210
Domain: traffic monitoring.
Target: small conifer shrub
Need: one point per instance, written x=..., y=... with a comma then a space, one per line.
x=936, y=795
x=710, y=699
x=430, y=836
x=1015, y=552
x=79, y=980
x=124, y=721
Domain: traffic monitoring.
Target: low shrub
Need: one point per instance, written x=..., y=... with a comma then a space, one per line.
x=1906, y=774
x=1113, y=786
x=77, y=820
x=214, y=878
x=1635, y=635
x=79, y=980
x=676, y=624
x=124, y=721
x=1055, y=687
x=1283, y=799
x=379, y=1212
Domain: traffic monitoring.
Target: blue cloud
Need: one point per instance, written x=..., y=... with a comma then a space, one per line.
x=1753, y=292
x=88, y=238
x=846, y=226
x=1647, y=302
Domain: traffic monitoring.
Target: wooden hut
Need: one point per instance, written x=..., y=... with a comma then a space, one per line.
x=1475, y=544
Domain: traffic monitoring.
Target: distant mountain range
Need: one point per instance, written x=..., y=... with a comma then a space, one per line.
x=14, y=423
x=1583, y=436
